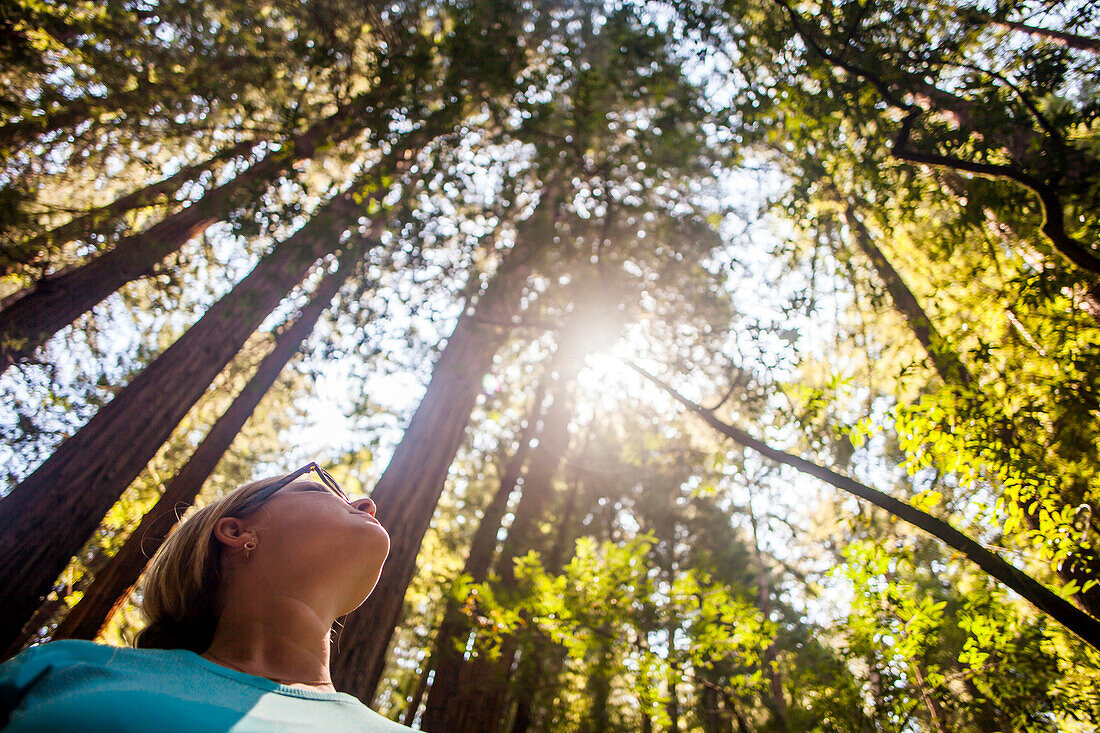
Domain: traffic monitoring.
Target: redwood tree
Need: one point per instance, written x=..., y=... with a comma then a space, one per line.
x=944, y=358
x=111, y=585
x=57, y=300
x=445, y=661
x=409, y=488
x=89, y=471
x=470, y=696
x=96, y=220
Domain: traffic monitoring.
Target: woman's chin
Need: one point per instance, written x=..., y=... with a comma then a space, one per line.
x=370, y=582
x=378, y=542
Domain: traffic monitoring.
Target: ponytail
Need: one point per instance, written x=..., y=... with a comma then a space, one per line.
x=181, y=590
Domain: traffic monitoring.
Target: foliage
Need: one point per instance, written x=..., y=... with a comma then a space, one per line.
x=743, y=194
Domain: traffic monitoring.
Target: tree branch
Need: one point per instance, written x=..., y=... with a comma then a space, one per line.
x=1065, y=613
x=1054, y=223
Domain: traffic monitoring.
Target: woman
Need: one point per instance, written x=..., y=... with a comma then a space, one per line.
x=240, y=601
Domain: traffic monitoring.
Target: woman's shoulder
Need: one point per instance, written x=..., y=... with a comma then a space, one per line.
x=74, y=651
x=69, y=654
x=69, y=651
x=68, y=679
x=66, y=649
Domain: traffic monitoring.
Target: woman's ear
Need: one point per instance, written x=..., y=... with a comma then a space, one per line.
x=231, y=531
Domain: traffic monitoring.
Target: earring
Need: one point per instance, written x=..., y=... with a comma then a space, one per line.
x=249, y=546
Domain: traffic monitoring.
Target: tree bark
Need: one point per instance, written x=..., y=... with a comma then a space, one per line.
x=542, y=660
x=537, y=487
x=483, y=684
x=87, y=474
x=94, y=221
x=522, y=721
x=111, y=586
x=484, y=689
x=418, y=695
x=764, y=603
x=409, y=489
x=599, y=690
x=673, y=704
x=565, y=539
x=52, y=608
x=1065, y=613
x=59, y=299
x=446, y=659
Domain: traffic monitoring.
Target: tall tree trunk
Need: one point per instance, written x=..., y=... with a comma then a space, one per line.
x=446, y=658
x=484, y=692
x=94, y=221
x=543, y=660
x=565, y=538
x=53, y=607
x=778, y=703
x=409, y=488
x=673, y=704
x=51, y=513
x=538, y=490
x=599, y=691
x=944, y=358
x=522, y=721
x=483, y=684
x=112, y=585
x=418, y=695
x=1062, y=611
x=58, y=300
x=711, y=717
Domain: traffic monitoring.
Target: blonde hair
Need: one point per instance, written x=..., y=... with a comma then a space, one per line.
x=181, y=599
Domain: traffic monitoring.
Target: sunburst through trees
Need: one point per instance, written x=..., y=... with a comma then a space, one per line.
x=439, y=246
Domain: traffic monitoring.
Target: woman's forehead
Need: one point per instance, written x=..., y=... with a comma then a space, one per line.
x=304, y=483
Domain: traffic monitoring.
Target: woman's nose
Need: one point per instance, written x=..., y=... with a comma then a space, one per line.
x=365, y=505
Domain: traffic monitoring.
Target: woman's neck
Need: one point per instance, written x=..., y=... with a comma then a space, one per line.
x=281, y=638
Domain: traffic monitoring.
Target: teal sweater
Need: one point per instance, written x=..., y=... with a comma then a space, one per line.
x=80, y=686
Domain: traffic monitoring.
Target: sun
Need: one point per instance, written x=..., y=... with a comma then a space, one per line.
x=606, y=382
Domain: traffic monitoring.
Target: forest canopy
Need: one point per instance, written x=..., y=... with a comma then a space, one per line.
x=716, y=365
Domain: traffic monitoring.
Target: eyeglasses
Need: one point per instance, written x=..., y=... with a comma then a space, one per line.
x=326, y=478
